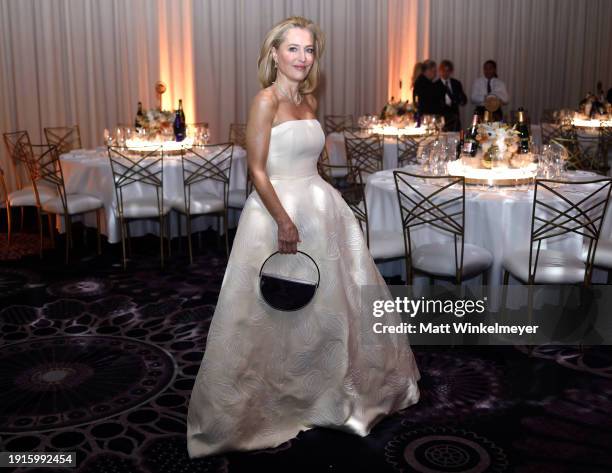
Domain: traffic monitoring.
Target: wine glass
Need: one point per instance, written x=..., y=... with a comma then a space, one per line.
x=423, y=157
x=108, y=139
x=119, y=137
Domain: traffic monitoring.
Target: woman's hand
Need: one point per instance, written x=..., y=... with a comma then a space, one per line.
x=288, y=237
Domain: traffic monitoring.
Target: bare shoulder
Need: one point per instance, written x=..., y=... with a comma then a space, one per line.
x=311, y=100
x=263, y=108
x=265, y=101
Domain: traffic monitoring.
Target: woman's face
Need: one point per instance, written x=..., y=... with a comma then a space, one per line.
x=295, y=55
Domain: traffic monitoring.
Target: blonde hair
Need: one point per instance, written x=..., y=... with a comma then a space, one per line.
x=274, y=38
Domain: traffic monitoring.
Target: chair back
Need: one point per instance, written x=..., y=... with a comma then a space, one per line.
x=363, y=151
x=3, y=189
x=337, y=123
x=352, y=190
x=132, y=169
x=437, y=203
x=407, y=150
x=12, y=141
x=237, y=134
x=202, y=163
x=45, y=168
x=552, y=131
x=559, y=210
x=65, y=138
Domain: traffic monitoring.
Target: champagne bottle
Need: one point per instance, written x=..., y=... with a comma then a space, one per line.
x=460, y=144
x=180, y=107
x=139, y=120
x=470, y=145
x=178, y=127
x=523, y=130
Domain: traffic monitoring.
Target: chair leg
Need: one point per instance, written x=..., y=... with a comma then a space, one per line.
x=8, y=223
x=98, y=241
x=40, y=232
x=180, y=232
x=169, y=234
x=226, y=234
x=129, y=238
x=68, y=222
x=161, y=240
x=22, y=219
x=123, y=226
x=51, y=229
x=190, y=245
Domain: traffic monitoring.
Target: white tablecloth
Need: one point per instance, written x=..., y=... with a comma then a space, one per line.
x=499, y=221
x=337, y=152
x=89, y=172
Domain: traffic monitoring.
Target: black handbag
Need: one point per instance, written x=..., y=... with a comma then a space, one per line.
x=285, y=293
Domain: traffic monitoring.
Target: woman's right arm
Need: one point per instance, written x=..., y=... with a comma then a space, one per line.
x=259, y=129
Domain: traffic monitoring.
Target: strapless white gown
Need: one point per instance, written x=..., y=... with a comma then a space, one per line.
x=268, y=375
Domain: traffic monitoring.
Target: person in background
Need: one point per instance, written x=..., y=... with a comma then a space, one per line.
x=489, y=87
x=417, y=70
x=609, y=96
x=454, y=97
x=428, y=94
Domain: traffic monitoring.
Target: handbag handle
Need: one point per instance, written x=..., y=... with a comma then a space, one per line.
x=301, y=252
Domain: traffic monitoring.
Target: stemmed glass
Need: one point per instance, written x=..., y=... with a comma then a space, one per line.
x=108, y=138
x=119, y=137
x=423, y=157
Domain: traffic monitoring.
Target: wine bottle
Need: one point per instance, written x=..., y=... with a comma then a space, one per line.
x=417, y=112
x=523, y=130
x=139, y=120
x=178, y=127
x=460, y=144
x=182, y=112
x=470, y=145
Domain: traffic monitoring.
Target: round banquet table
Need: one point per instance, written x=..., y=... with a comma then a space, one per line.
x=89, y=172
x=337, y=152
x=497, y=219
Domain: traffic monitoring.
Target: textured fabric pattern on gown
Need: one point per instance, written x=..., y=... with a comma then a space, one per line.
x=267, y=375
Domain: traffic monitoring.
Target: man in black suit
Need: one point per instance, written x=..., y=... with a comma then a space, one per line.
x=454, y=97
x=427, y=93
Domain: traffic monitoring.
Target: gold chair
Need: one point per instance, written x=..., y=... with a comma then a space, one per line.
x=5, y=204
x=144, y=173
x=363, y=151
x=558, y=211
x=407, y=150
x=46, y=168
x=25, y=195
x=337, y=123
x=12, y=141
x=206, y=163
x=238, y=197
x=237, y=134
x=441, y=205
x=64, y=138
x=553, y=131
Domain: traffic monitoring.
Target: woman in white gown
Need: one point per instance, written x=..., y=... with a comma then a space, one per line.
x=267, y=375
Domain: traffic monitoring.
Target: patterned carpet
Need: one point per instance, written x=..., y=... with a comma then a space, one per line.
x=101, y=361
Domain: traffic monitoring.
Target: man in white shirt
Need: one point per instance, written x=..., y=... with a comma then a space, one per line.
x=489, y=86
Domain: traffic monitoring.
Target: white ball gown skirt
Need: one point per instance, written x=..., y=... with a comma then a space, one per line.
x=267, y=375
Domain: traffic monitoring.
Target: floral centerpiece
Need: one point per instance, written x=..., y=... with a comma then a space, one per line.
x=156, y=121
x=394, y=109
x=499, y=143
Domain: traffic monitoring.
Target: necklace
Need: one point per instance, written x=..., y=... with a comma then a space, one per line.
x=296, y=102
